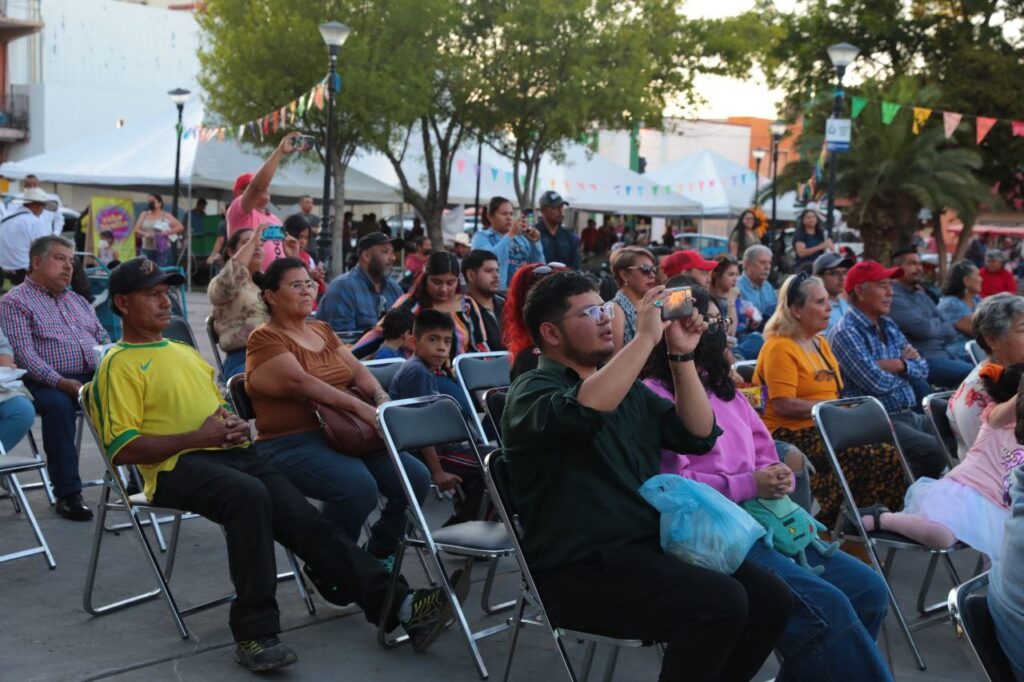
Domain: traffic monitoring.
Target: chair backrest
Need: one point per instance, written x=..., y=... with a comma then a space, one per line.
x=477, y=372
x=935, y=407
x=494, y=407
x=240, y=398
x=348, y=338
x=969, y=607
x=745, y=368
x=211, y=332
x=84, y=399
x=178, y=330
x=384, y=370
x=421, y=422
x=975, y=352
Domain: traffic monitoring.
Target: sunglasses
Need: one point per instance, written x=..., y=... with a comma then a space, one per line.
x=645, y=269
x=719, y=320
x=596, y=313
x=549, y=268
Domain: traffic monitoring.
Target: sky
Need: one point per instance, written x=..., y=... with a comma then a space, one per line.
x=729, y=96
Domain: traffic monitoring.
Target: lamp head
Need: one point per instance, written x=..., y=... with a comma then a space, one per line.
x=179, y=96
x=334, y=34
x=842, y=55
x=760, y=153
x=777, y=129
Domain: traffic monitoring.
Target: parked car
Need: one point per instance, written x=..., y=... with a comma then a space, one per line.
x=707, y=245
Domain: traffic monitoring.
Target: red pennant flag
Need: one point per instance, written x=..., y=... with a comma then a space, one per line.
x=1018, y=128
x=950, y=121
x=266, y=124
x=275, y=122
x=319, y=97
x=984, y=124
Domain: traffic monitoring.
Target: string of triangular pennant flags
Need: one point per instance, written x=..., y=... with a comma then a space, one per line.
x=286, y=116
x=920, y=115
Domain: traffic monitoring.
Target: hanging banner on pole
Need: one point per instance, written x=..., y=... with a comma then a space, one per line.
x=118, y=217
x=837, y=134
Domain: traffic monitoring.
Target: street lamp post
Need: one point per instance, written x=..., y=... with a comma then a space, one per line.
x=759, y=154
x=842, y=55
x=777, y=129
x=179, y=96
x=334, y=34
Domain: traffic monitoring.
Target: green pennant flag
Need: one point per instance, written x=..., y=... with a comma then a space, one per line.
x=889, y=111
x=857, y=105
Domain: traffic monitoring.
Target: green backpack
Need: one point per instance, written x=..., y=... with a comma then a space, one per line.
x=790, y=529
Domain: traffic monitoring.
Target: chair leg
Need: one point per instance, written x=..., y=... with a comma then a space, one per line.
x=389, y=598
x=516, y=623
x=926, y=584
x=300, y=582
x=43, y=473
x=892, y=600
x=485, y=596
x=19, y=494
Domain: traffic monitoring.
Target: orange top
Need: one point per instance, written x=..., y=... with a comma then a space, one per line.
x=791, y=371
x=282, y=416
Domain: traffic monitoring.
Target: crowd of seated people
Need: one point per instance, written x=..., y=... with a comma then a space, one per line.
x=604, y=395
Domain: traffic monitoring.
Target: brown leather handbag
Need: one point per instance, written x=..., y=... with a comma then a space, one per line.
x=348, y=433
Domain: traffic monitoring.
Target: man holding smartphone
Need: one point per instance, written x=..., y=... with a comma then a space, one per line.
x=511, y=240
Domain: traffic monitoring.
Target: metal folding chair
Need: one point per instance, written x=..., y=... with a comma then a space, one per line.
x=496, y=477
x=862, y=421
x=384, y=370
x=218, y=361
x=10, y=467
x=934, y=405
x=745, y=368
x=477, y=372
x=179, y=330
x=972, y=623
x=135, y=506
x=411, y=425
x=975, y=352
x=494, y=407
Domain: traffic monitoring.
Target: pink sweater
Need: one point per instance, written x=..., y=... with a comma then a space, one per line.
x=744, y=447
x=987, y=464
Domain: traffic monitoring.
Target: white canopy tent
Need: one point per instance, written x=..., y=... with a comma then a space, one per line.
x=725, y=188
x=141, y=157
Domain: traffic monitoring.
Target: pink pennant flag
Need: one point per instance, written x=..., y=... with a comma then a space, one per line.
x=1018, y=128
x=711, y=182
x=593, y=187
x=581, y=185
x=319, y=97
x=984, y=124
x=460, y=165
x=568, y=187
x=950, y=121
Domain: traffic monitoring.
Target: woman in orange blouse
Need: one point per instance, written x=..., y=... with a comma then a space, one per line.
x=799, y=370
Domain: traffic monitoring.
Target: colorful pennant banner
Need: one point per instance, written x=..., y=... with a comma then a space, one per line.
x=950, y=119
x=286, y=116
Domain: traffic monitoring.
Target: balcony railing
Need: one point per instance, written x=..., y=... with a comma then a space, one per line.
x=14, y=111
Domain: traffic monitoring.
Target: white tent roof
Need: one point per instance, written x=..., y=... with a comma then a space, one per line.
x=724, y=187
x=142, y=156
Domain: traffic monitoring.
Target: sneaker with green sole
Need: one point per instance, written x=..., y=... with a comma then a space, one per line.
x=261, y=655
x=430, y=613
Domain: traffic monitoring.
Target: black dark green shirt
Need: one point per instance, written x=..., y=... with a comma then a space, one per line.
x=575, y=472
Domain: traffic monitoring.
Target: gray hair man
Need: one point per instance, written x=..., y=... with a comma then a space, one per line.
x=753, y=283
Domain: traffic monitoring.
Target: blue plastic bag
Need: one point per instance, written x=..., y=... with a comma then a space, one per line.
x=699, y=525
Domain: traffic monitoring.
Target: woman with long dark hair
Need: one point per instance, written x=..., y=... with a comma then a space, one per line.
x=744, y=234
x=837, y=615
x=512, y=239
x=810, y=240
x=960, y=297
x=158, y=229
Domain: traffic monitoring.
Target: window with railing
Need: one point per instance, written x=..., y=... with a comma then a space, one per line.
x=14, y=111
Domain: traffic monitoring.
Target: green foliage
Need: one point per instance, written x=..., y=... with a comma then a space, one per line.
x=890, y=173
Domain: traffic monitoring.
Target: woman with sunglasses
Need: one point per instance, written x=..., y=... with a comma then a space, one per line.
x=294, y=363
x=437, y=287
x=514, y=334
x=636, y=272
x=836, y=616
x=799, y=370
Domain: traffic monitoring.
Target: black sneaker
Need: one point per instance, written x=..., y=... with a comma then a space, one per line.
x=261, y=655
x=430, y=614
x=331, y=593
x=73, y=508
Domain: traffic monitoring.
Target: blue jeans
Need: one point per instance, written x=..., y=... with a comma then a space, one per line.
x=16, y=417
x=349, y=486
x=59, y=411
x=835, y=619
x=947, y=373
x=749, y=345
x=234, y=363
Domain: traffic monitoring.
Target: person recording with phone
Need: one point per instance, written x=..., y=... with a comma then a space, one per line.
x=512, y=240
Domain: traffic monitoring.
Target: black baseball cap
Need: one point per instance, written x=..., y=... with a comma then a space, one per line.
x=551, y=198
x=830, y=260
x=375, y=239
x=140, y=273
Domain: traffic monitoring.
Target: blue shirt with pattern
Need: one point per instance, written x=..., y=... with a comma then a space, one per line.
x=512, y=253
x=352, y=302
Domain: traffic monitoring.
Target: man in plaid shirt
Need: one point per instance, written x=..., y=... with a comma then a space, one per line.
x=877, y=360
x=53, y=331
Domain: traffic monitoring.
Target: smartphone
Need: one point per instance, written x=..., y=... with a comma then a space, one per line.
x=303, y=143
x=274, y=233
x=679, y=303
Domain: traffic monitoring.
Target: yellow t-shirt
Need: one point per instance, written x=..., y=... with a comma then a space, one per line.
x=151, y=389
x=790, y=371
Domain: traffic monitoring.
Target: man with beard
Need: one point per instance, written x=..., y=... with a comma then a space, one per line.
x=480, y=268
x=358, y=299
x=582, y=434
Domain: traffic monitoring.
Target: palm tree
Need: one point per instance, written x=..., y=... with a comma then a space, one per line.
x=890, y=173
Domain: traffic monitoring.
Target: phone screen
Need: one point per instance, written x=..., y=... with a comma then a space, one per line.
x=679, y=303
x=274, y=233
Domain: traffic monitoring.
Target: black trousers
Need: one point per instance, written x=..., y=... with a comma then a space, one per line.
x=717, y=627
x=257, y=504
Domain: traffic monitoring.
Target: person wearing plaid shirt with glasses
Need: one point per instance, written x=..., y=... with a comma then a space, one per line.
x=877, y=360
x=53, y=331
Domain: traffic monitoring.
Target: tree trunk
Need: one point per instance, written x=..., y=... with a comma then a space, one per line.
x=963, y=241
x=940, y=245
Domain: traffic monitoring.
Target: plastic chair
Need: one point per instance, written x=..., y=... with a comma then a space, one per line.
x=975, y=352
x=411, y=425
x=496, y=477
x=136, y=505
x=973, y=625
x=934, y=405
x=863, y=421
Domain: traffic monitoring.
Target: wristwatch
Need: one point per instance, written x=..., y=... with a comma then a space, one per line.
x=680, y=357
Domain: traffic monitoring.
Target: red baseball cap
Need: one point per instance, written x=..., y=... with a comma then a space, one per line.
x=241, y=182
x=869, y=271
x=681, y=261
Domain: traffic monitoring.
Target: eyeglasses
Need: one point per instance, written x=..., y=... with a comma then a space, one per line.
x=597, y=312
x=645, y=268
x=714, y=322
x=308, y=285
